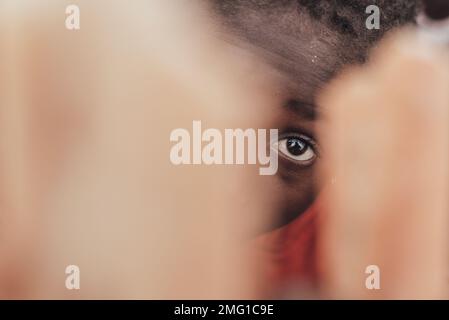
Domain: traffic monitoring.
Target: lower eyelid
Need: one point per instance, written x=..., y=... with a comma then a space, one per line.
x=290, y=167
x=291, y=163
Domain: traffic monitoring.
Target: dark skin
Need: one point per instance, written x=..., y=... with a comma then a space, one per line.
x=306, y=54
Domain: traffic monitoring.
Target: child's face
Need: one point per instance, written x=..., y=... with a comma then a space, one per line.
x=306, y=54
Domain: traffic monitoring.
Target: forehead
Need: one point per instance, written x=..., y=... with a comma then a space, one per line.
x=305, y=51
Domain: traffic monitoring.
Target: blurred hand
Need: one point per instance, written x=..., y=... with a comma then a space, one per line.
x=386, y=146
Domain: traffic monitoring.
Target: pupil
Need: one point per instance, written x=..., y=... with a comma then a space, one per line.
x=296, y=146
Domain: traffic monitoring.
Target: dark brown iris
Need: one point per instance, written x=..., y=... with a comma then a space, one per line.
x=296, y=146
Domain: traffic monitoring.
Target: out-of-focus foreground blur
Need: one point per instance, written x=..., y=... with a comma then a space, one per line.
x=86, y=178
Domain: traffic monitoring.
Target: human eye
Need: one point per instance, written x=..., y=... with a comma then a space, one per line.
x=298, y=148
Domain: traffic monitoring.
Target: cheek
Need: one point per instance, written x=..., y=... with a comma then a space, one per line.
x=295, y=192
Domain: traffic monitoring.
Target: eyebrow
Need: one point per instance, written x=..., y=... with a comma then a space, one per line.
x=301, y=109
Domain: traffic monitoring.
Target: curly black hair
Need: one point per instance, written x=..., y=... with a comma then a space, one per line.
x=341, y=15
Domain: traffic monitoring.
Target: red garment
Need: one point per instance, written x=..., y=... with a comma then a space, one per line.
x=290, y=251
